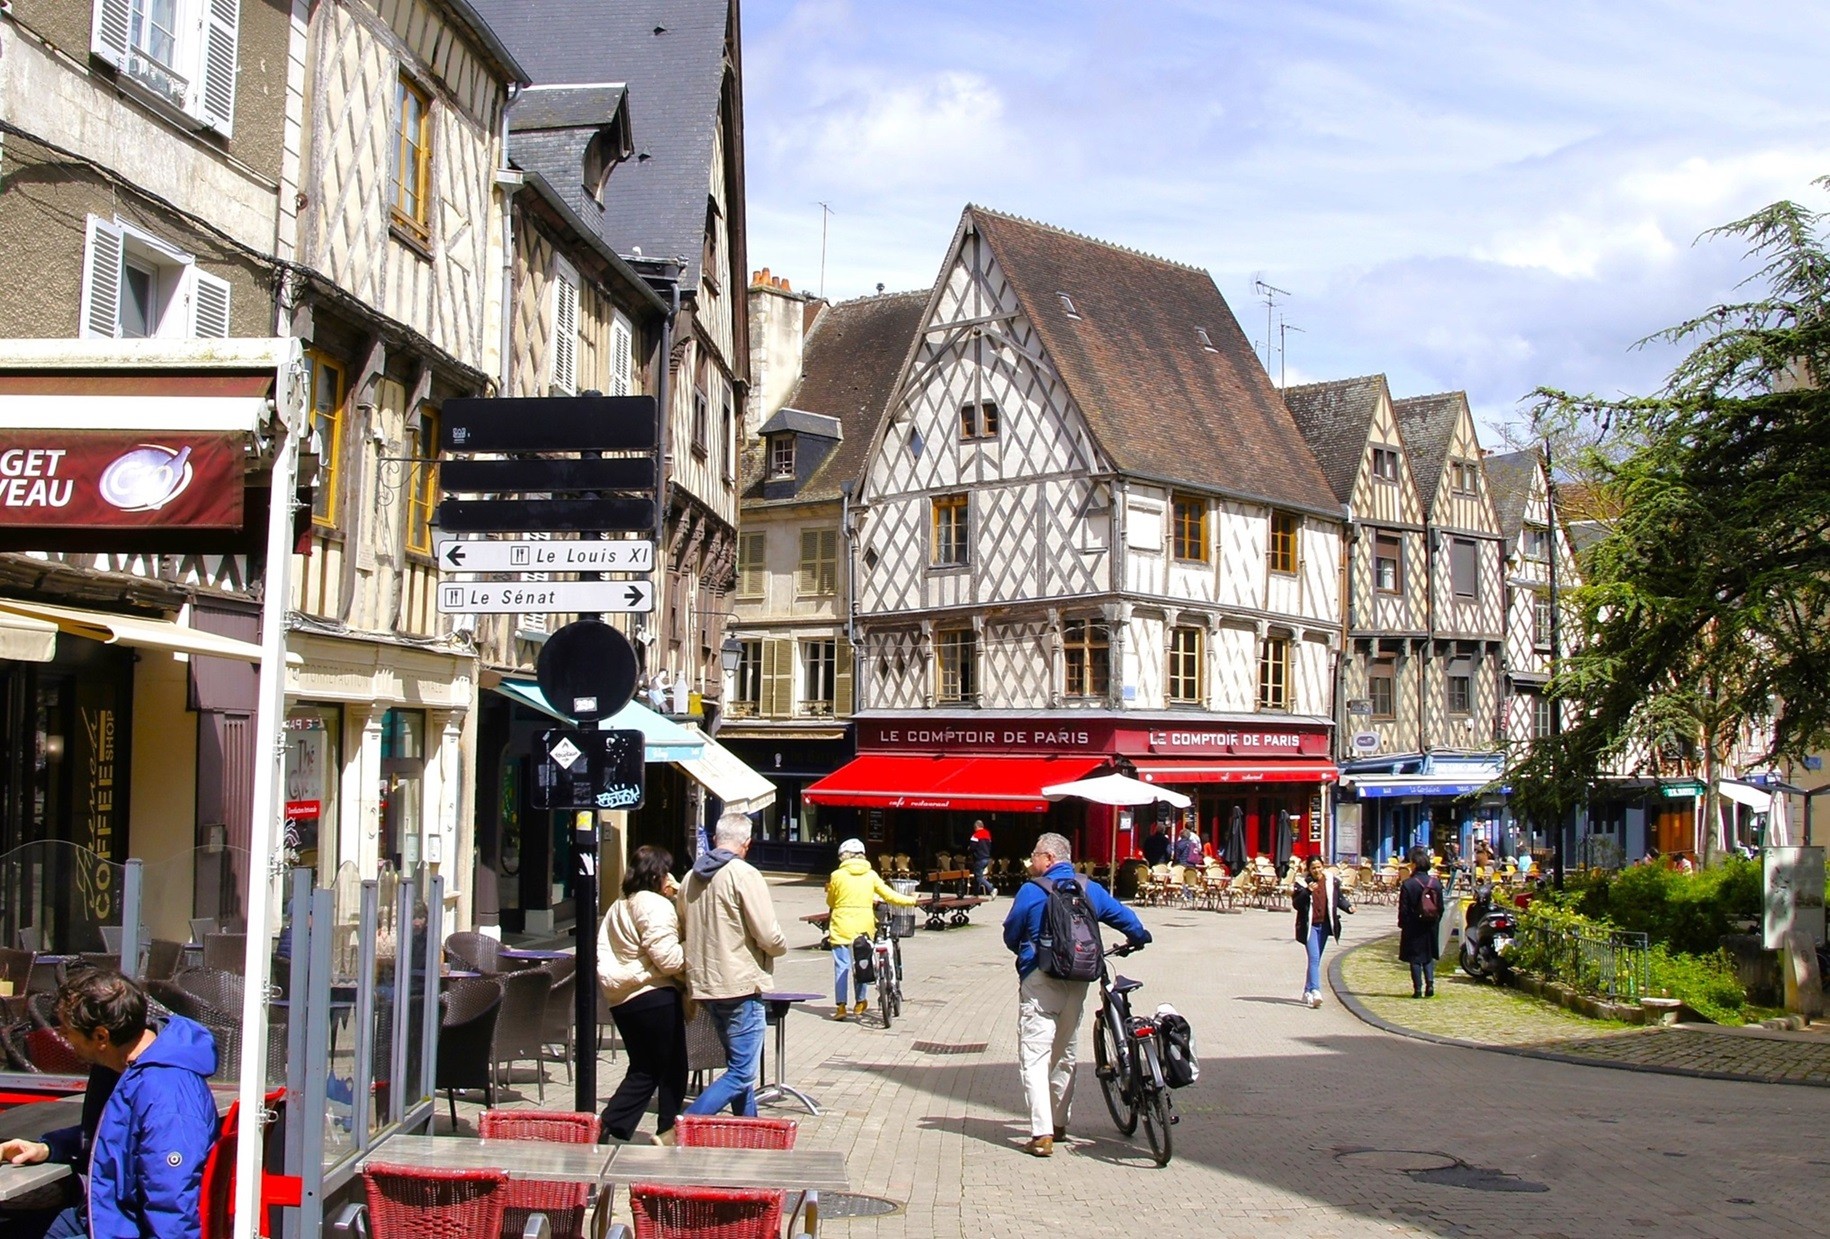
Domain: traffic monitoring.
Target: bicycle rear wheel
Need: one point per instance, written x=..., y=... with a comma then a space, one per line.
x=896, y=962
x=886, y=988
x=1114, y=1070
x=1155, y=1110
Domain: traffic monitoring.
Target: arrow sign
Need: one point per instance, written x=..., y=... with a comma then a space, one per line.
x=624, y=555
x=543, y=597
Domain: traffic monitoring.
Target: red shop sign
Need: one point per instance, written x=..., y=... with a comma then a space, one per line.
x=121, y=479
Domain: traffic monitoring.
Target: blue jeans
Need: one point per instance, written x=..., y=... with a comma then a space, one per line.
x=1318, y=940
x=1423, y=977
x=739, y=1022
x=841, y=970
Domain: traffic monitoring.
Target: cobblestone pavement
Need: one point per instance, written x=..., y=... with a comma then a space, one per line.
x=1484, y=1014
x=1304, y=1122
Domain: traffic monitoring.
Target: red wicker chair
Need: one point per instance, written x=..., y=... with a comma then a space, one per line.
x=564, y=1204
x=52, y=1054
x=705, y=1212
x=708, y=1131
x=416, y=1202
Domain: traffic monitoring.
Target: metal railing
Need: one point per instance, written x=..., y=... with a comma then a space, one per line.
x=1614, y=964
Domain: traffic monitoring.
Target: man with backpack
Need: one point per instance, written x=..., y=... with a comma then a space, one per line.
x=1053, y=930
x=1419, y=914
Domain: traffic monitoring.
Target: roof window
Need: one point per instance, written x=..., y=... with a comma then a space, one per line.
x=1206, y=343
x=1067, y=304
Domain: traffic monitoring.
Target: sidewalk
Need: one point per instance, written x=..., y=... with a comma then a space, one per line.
x=1374, y=985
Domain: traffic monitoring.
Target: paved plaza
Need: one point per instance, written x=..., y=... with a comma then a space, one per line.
x=1305, y=1122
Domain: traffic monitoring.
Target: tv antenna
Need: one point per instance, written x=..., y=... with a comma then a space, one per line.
x=1270, y=293
x=825, y=214
x=1283, y=335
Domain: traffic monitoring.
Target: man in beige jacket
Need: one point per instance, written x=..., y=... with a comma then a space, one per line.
x=732, y=939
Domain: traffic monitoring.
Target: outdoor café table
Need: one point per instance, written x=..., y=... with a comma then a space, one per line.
x=33, y=1119
x=511, y=952
x=794, y=1170
x=776, y=1012
x=17, y=1181
x=518, y=1159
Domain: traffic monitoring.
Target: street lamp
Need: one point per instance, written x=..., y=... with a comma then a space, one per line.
x=729, y=655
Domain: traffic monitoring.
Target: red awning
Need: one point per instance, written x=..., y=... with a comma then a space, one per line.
x=1223, y=771
x=965, y=784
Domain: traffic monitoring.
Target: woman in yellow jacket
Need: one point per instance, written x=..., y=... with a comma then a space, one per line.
x=851, y=896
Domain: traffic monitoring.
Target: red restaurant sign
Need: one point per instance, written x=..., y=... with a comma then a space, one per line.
x=121, y=479
x=1045, y=734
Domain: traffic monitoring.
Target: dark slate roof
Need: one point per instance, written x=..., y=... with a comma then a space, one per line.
x=1336, y=419
x=1159, y=405
x=800, y=421
x=480, y=26
x=654, y=201
x=567, y=107
x=1428, y=423
x=852, y=358
x=1509, y=480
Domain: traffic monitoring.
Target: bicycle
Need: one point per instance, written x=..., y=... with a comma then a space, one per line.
x=1128, y=1061
x=886, y=951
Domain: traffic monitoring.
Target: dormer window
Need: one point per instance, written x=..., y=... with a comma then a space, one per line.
x=1385, y=463
x=600, y=158
x=781, y=456
x=978, y=420
x=1464, y=477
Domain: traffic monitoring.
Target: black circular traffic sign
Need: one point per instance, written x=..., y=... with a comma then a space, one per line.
x=587, y=670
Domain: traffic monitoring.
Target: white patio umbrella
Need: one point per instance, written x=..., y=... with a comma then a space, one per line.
x=1120, y=790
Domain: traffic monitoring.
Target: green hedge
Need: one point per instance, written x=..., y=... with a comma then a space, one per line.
x=1685, y=912
x=1704, y=982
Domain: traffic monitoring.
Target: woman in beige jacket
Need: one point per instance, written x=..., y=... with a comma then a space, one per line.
x=640, y=965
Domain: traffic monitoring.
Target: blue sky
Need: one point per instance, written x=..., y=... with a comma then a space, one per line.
x=1478, y=196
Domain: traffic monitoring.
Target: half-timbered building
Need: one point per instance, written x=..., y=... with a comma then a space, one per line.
x=1353, y=429
x=1087, y=535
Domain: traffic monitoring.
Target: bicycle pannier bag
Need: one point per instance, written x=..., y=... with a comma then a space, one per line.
x=1068, y=947
x=1180, y=1065
x=1429, y=901
x=863, y=961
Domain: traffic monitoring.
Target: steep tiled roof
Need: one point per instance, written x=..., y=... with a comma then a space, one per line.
x=1336, y=417
x=1428, y=423
x=670, y=53
x=849, y=368
x=1509, y=479
x=1159, y=403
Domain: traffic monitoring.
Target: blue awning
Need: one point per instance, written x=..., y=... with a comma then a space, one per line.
x=663, y=739
x=1376, y=786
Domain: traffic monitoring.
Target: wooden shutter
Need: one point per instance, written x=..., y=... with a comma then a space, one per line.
x=109, y=32
x=220, y=35
x=209, y=306
x=622, y=357
x=101, y=307
x=842, y=678
x=778, y=678
x=565, y=331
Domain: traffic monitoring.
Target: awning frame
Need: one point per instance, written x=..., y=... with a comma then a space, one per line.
x=140, y=632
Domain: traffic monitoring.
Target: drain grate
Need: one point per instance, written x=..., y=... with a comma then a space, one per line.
x=846, y=1204
x=950, y=1047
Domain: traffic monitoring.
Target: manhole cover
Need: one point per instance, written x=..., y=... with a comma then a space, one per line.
x=1406, y=1161
x=845, y=1204
x=950, y=1047
x=1476, y=1179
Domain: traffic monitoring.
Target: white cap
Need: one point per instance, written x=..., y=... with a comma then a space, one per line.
x=852, y=847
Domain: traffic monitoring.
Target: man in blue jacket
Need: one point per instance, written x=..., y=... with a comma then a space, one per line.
x=157, y=1125
x=1049, y=1008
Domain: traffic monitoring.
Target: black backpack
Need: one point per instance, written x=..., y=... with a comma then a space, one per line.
x=1068, y=948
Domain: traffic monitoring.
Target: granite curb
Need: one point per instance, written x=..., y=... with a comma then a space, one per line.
x=1360, y=1012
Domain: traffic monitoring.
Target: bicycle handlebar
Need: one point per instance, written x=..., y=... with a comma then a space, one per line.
x=1124, y=948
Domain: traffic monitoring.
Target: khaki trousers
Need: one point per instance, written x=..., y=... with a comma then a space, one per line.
x=1048, y=1025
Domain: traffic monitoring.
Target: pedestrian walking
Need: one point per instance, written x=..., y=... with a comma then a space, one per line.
x=732, y=940
x=1320, y=903
x=1049, y=1007
x=1188, y=849
x=852, y=893
x=641, y=967
x=1419, y=912
x=978, y=848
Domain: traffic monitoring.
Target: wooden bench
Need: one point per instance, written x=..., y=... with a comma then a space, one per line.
x=945, y=910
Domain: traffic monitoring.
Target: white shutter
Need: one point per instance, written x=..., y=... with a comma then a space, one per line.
x=220, y=34
x=101, y=307
x=622, y=357
x=109, y=32
x=209, y=306
x=565, y=331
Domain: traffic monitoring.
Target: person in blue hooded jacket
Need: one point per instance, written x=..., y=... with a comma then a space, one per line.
x=156, y=1127
x=1048, y=1008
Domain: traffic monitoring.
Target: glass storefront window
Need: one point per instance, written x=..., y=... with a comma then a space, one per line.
x=403, y=765
x=313, y=771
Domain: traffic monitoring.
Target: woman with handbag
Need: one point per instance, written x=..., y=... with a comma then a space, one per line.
x=640, y=965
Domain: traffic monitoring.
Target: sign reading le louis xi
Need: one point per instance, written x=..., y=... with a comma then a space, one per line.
x=118, y=479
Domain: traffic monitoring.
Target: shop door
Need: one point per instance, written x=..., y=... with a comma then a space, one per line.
x=403, y=768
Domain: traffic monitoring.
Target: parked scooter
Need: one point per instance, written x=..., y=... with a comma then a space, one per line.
x=1487, y=935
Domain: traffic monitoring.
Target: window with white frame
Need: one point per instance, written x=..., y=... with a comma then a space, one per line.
x=819, y=661
x=563, y=379
x=137, y=287
x=181, y=53
x=1541, y=615
x=781, y=456
x=1541, y=706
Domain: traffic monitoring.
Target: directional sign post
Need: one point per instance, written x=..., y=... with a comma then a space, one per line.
x=543, y=597
x=625, y=555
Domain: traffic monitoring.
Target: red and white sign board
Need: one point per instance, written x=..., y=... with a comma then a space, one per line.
x=112, y=479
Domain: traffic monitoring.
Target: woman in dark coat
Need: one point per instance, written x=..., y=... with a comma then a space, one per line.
x=1417, y=942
